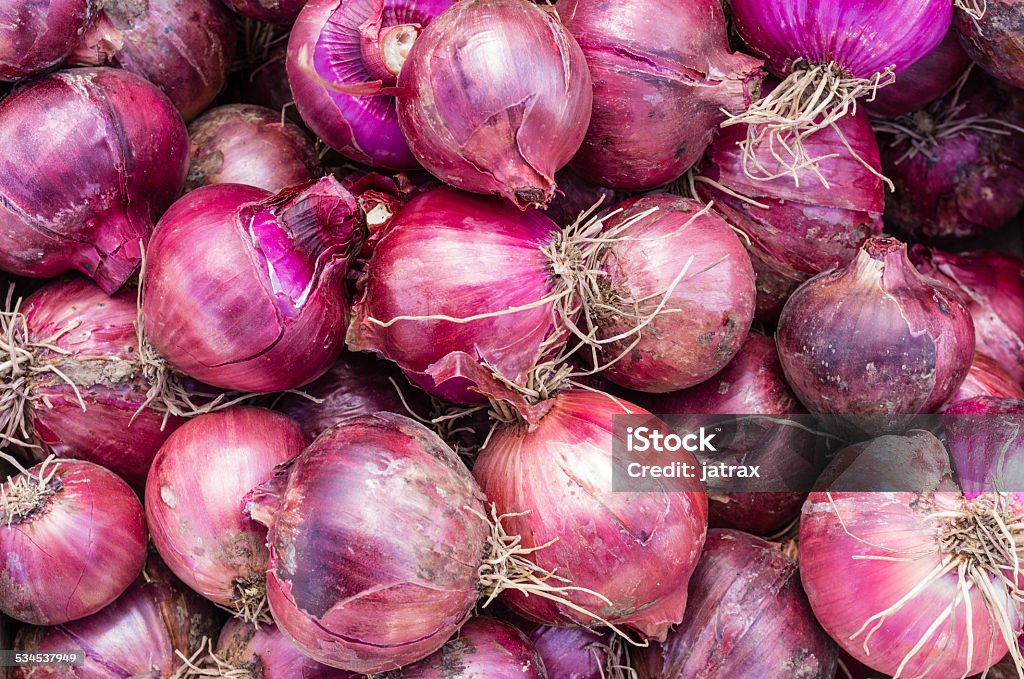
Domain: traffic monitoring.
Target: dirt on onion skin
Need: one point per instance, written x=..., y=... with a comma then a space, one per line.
x=996, y=41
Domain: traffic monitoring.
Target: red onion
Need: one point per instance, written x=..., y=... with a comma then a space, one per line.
x=747, y=617
x=957, y=165
x=245, y=290
x=792, y=232
x=509, y=140
x=987, y=377
x=752, y=384
x=246, y=144
x=684, y=270
x=107, y=154
x=875, y=337
x=37, y=36
x=571, y=652
x=266, y=653
x=194, y=502
x=915, y=581
x=663, y=73
x=184, y=47
x=78, y=388
x=272, y=11
x=338, y=53
x=144, y=633
x=991, y=284
x=485, y=647
x=986, y=444
x=994, y=36
x=73, y=539
x=634, y=549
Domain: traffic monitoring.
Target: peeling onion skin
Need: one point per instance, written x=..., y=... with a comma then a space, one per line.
x=747, y=616
x=636, y=549
x=875, y=338
x=484, y=647
x=37, y=36
x=184, y=47
x=488, y=129
x=987, y=377
x=571, y=652
x=68, y=559
x=996, y=41
x=247, y=144
x=266, y=270
x=712, y=306
x=391, y=486
x=195, y=497
x=663, y=72
x=267, y=654
x=107, y=154
x=272, y=11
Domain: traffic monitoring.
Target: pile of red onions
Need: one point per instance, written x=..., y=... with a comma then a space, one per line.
x=957, y=165
x=246, y=652
x=991, y=284
x=184, y=47
x=73, y=539
x=107, y=153
x=792, y=232
x=484, y=647
x=995, y=39
x=272, y=11
x=244, y=289
x=679, y=295
x=195, y=507
x=246, y=144
x=635, y=550
x=663, y=73
x=508, y=139
x=339, y=56
x=747, y=616
x=875, y=337
x=987, y=377
x=36, y=36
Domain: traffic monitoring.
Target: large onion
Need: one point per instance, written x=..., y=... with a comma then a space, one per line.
x=994, y=37
x=485, y=647
x=37, y=36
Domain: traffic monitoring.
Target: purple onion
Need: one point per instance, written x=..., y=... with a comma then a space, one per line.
x=985, y=438
x=995, y=40
x=571, y=652
x=484, y=647
x=987, y=377
x=36, y=36
x=266, y=653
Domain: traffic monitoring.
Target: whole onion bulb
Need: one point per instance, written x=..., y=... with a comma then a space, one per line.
x=195, y=507
x=107, y=153
x=987, y=377
x=995, y=40
x=266, y=653
x=663, y=73
x=73, y=539
x=413, y=516
x=184, y=47
x=796, y=230
x=635, y=549
x=991, y=284
x=509, y=140
x=272, y=11
x=875, y=337
x=485, y=647
x=339, y=56
x=244, y=289
x=246, y=144
x=37, y=36
x=747, y=616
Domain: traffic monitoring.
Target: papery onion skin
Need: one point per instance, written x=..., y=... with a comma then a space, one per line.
x=802, y=231
x=268, y=654
x=484, y=647
x=247, y=144
x=707, y=313
x=636, y=549
x=137, y=635
x=195, y=499
x=245, y=290
x=986, y=444
x=747, y=616
x=391, y=486
x=503, y=267
x=508, y=140
x=107, y=154
x=325, y=47
x=987, y=377
x=271, y=11
x=875, y=337
x=991, y=284
x=76, y=552
x=184, y=47
x=996, y=41
x=663, y=73
x=571, y=652
x=35, y=36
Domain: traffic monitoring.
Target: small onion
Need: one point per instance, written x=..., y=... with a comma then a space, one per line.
x=194, y=502
x=484, y=647
x=245, y=290
x=246, y=144
x=663, y=75
x=987, y=377
x=509, y=140
x=271, y=11
x=991, y=284
x=73, y=539
x=266, y=653
x=184, y=47
x=637, y=550
x=571, y=652
x=37, y=36
x=107, y=153
x=995, y=40
x=875, y=337
x=747, y=616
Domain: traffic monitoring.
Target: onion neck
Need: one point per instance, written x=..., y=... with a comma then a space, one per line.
x=883, y=261
x=385, y=48
x=99, y=45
